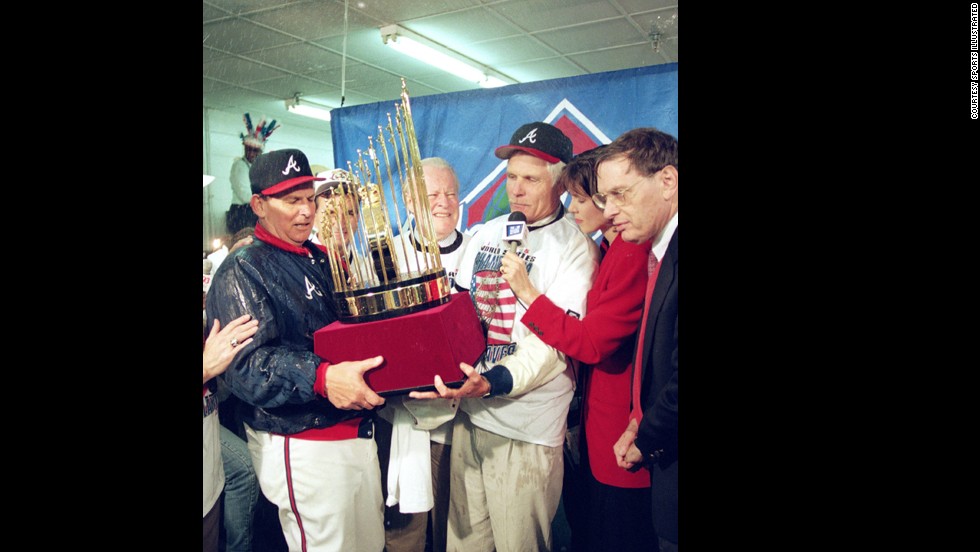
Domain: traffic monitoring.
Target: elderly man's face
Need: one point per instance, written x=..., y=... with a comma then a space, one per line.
x=443, y=200
x=530, y=188
x=290, y=217
x=639, y=206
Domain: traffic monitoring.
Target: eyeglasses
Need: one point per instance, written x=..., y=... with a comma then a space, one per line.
x=618, y=196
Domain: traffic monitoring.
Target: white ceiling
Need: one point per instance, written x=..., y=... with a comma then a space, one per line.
x=258, y=53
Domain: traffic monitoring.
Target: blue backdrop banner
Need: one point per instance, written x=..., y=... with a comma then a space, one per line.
x=466, y=127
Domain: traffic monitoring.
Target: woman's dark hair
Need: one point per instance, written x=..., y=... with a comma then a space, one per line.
x=579, y=173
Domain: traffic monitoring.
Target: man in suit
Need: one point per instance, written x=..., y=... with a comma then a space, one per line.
x=637, y=183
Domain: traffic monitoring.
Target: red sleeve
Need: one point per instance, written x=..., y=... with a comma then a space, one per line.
x=614, y=306
x=320, y=383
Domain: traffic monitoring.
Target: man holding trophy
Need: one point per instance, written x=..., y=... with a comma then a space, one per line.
x=309, y=435
x=507, y=455
x=428, y=424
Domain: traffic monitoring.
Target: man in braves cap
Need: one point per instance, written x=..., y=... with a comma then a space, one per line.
x=281, y=183
x=515, y=402
x=309, y=423
x=536, y=154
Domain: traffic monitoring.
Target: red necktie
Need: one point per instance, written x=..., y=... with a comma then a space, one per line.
x=653, y=268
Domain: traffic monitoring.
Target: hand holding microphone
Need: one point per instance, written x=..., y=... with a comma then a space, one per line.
x=512, y=268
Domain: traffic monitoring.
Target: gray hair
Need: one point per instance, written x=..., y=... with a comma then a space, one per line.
x=441, y=163
x=554, y=169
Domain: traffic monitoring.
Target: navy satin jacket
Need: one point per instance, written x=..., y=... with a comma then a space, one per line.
x=288, y=290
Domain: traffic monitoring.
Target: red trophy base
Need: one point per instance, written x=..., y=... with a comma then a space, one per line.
x=416, y=347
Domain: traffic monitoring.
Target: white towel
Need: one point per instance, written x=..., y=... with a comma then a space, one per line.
x=409, y=464
x=431, y=413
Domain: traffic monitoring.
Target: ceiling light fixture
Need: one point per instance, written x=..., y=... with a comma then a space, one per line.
x=417, y=46
x=307, y=109
x=662, y=29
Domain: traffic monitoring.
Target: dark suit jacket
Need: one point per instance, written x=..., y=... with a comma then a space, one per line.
x=658, y=397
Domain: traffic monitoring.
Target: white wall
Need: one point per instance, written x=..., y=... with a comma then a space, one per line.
x=222, y=145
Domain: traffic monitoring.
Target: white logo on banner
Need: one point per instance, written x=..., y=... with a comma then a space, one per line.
x=291, y=165
x=531, y=136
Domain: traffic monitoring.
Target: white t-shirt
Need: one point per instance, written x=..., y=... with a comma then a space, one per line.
x=450, y=253
x=561, y=263
x=214, y=472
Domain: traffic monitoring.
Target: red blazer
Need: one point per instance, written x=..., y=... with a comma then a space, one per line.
x=604, y=339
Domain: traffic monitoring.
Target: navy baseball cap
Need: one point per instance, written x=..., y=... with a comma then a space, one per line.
x=540, y=140
x=280, y=170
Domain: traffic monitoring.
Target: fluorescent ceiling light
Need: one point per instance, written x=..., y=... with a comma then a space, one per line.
x=492, y=82
x=305, y=108
x=416, y=46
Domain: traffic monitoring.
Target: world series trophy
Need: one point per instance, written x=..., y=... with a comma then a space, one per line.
x=393, y=300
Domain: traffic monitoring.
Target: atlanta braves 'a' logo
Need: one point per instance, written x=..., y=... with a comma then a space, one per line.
x=311, y=289
x=291, y=165
x=530, y=137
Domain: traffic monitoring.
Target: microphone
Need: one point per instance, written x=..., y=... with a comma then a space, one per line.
x=515, y=231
